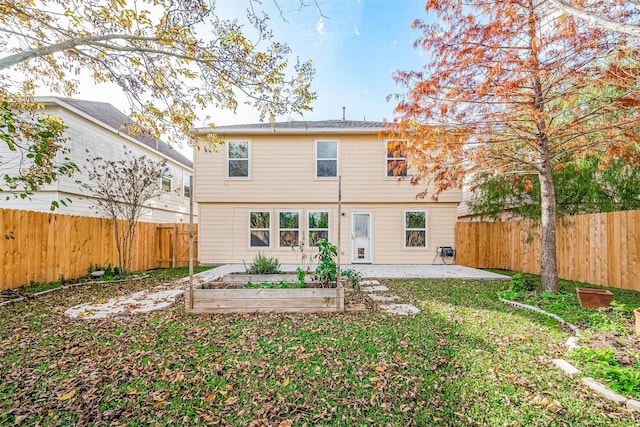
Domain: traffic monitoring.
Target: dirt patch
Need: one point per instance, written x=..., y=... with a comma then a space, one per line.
x=625, y=346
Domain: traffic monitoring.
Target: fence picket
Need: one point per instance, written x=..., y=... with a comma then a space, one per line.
x=602, y=249
x=43, y=247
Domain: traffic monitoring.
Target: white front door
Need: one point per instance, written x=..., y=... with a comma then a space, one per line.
x=361, y=237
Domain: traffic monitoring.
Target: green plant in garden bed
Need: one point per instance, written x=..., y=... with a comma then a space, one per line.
x=262, y=264
x=353, y=275
x=326, y=269
x=279, y=285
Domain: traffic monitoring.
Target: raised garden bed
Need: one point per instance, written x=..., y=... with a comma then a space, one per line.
x=232, y=296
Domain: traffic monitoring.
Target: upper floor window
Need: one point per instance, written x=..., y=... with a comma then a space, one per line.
x=326, y=159
x=318, y=227
x=238, y=159
x=289, y=227
x=415, y=229
x=396, y=158
x=260, y=229
x=166, y=177
x=186, y=185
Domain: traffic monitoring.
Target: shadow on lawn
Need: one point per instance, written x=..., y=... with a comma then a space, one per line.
x=473, y=294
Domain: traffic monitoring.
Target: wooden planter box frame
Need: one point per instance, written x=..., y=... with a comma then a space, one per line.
x=305, y=300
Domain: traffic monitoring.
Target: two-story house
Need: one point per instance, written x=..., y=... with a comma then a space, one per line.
x=99, y=129
x=266, y=189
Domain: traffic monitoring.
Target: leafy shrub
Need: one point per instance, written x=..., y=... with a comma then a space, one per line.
x=110, y=271
x=601, y=363
x=327, y=267
x=624, y=380
x=262, y=264
x=612, y=319
x=352, y=275
x=520, y=283
x=301, y=274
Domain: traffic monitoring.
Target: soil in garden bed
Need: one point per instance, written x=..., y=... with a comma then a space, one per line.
x=225, y=285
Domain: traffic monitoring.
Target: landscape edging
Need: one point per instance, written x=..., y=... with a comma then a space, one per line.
x=594, y=385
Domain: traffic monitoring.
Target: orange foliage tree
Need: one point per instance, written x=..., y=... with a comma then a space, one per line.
x=513, y=87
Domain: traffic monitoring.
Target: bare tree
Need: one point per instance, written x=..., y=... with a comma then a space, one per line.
x=121, y=190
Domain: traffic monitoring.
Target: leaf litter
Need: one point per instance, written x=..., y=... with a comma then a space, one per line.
x=169, y=367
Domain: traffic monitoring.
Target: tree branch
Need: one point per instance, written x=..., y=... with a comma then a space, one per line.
x=597, y=21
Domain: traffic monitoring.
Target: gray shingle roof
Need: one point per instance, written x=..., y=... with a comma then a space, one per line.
x=110, y=116
x=303, y=126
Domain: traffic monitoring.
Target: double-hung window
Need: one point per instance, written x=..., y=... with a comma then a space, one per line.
x=318, y=227
x=326, y=159
x=289, y=229
x=186, y=185
x=415, y=229
x=396, y=160
x=166, y=177
x=238, y=159
x=260, y=229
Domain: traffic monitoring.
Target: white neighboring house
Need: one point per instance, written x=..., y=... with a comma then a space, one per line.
x=98, y=127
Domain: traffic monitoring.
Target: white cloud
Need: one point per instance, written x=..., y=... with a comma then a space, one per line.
x=356, y=30
x=366, y=90
x=320, y=27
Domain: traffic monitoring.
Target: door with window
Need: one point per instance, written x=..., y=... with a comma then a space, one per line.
x=361, y=237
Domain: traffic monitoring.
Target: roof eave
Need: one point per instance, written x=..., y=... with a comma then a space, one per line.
x=290, y=131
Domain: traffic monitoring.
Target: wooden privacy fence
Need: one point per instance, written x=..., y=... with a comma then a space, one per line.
x=43, y=247
x=601, y=249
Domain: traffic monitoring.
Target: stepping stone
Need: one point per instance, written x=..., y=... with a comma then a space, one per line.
x=380, y=288
x=400, y=309
x=369, y=282
x=567, y=367
x=384, y=298
x=140, y=302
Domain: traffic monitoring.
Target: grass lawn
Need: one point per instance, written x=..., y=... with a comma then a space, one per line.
x=466, y=359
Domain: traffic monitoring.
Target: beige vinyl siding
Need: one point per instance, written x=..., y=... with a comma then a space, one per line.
x=224, y=231
x=282, y=169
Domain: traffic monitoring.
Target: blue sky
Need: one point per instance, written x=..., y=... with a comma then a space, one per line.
x=355, y=46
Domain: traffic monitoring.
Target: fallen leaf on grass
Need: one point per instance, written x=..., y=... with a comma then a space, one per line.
x=285, y=423
x=285, y=382
x=159, y=403
x=231, y=401
x=67, y=395
x=210, y=397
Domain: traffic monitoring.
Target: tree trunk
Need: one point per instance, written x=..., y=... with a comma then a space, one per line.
x=549, y=265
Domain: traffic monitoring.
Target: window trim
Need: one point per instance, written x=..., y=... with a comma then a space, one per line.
x=387, y=159
x=316, y=158
x=309, y=229
x=260, y=229
x=229, y=159
x=425, y=229
x=169, y=176
x=185, y=187
x=299, y=229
